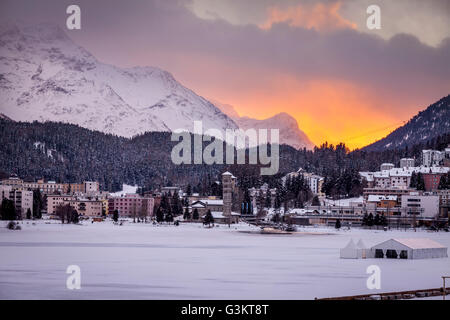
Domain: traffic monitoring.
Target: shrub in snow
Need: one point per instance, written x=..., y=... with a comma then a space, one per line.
x=13, y=226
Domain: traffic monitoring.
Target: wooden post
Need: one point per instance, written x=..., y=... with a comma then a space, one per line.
x=443, y=292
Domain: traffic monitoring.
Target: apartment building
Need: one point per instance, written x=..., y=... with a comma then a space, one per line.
x=23, y=199
x=131, y=205
x=407, y=162
x=432, y=158
x=85, y=207
x=421, y=205
x=49, y=187
x=386, y=166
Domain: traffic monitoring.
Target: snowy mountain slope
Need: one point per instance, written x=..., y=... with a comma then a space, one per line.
x=45, y=76
x=290, y=133
x=228, y=109
x=427, y=124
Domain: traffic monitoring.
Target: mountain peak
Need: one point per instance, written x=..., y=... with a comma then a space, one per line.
x=45, y=76
x=290, y=132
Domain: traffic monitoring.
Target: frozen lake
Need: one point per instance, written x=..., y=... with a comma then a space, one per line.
x=142, y=261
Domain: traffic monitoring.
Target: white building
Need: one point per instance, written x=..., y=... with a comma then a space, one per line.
x=314, y=181
x=382, y=179
x=417, y=248
x=432, y=158
x=421, y=205
x=23, y=199
x=91, y=187
x=398, y=177
x=386, y=166
x=406, y=162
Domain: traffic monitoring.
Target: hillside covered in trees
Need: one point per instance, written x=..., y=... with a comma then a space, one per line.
x=69, y=153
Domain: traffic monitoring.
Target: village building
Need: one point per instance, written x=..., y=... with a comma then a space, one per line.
x=131, y=205
x=23, y=199
x=416, y=248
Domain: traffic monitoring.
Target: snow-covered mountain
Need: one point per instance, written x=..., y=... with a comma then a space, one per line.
x=427, y=124
x=290, y=133
x=45, y=76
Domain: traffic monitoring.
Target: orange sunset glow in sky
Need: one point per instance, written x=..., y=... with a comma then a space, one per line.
x=314, y=59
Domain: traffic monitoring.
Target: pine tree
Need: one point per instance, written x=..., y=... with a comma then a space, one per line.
x=74, y=216
x=8, y=210
x=268, y=201
x=315, y=201
x=420, y=182
x=413, y=182
x=444, y=182
x=195, y=214
x=377, y=220
x=168, y=217
x=365, y=220
x=208, y=219
x=338, y=224
x=370, y=220
x=159, y=215
x=187, y=215
x=116, y=215
x=189, y=190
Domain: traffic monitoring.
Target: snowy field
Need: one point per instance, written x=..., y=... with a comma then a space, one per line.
x=143, y=261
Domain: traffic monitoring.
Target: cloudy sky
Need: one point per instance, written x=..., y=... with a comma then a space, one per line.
x=315, y=60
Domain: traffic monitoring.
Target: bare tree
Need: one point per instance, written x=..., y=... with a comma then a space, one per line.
x=64, y=212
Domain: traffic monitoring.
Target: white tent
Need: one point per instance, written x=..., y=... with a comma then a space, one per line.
x=350, y=251
x=362, y=249
x=416, y=248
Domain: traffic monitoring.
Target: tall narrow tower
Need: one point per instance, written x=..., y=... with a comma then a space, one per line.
x=227, y=190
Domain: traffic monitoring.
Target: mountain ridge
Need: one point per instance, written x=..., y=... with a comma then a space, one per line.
x=425, y=125
x=290, y=133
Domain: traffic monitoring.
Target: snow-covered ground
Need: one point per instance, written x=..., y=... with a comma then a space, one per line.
x=143, y=261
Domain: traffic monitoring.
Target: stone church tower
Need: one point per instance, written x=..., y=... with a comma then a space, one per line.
x=227, y=192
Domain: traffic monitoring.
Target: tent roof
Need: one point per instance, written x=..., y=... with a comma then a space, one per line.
x=419, y=243
x=350, y=245
x=361, y=244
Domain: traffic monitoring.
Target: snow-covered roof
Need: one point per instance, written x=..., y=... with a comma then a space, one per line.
x=419, y=243
x=198, y=205
x=367, y=175
x=361, y=244
x=213, y=202
x=377, y=198
x=350, y=245
x=381, y=174
x=402, y=172
x=219, y=214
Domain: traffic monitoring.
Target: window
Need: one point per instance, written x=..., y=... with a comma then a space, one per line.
x=379, y=253
x=391, y=254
